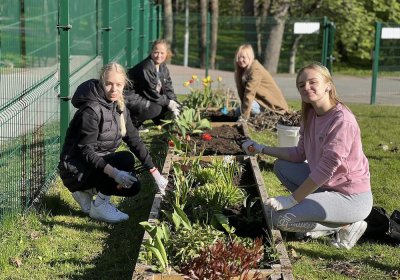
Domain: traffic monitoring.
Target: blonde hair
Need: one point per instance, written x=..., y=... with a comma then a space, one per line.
x=114, y=66
x=326, y=75
x=162, y=42
x=247, y=50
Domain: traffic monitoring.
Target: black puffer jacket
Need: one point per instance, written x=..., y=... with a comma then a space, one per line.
x=95, y=131
x=144, y=78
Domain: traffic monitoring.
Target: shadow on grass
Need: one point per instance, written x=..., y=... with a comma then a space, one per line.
x=122, y=242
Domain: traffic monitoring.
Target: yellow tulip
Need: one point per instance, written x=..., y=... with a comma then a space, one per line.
x=186, y=84
x=205, y=80
x=209, y=79
x=219, y=78
x=194, y=77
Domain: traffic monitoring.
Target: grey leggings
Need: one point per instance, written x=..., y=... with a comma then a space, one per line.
x=321, y=210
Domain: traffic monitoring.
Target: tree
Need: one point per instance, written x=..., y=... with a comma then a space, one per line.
x=214, y=31
x=203, y=31
x=279, y=11
x=168, y=21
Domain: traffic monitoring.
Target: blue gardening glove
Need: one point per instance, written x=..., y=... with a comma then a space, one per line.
x=160, y=180
x=281, y=202
x=251, y=147
x=123, y=178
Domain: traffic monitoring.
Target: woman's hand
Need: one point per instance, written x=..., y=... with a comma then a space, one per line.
x=281, y=202
x=160, y=180
x=251, y=147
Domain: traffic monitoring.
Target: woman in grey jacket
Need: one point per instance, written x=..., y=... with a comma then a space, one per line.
x=89, y=163
x=152, y=95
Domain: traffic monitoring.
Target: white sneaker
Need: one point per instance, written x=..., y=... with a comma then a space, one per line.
x=107, y=212
x=313, y=234
x=348, y=236
x=84, y=200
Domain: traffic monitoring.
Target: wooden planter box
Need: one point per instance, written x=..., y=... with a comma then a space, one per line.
x=281, y=270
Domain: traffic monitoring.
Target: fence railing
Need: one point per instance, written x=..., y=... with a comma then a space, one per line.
x=47, y=48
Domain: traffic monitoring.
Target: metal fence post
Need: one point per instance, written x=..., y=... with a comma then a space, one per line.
x=330, y=47
x=64, y=28
x=129, y=30
x=375, y=61
x=324, y=40
x=105, y=30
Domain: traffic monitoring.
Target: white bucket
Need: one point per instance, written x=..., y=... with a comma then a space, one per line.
x=288, y=136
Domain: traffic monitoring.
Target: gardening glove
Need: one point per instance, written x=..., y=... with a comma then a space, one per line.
x=173, y=105
x=251, y=147
x=160, y=180
x=281, y=202
x=176, y=113
x=123, y=178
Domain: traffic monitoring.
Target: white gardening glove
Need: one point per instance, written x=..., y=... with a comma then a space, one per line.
x=160, y=180
x=173, y=106
x=251, y=147
x=176, y=113
x=281, y=202
x=123, y=178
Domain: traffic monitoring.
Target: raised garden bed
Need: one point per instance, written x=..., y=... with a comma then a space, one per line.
x=216, y=115
x=251, y=178
x=225, y=139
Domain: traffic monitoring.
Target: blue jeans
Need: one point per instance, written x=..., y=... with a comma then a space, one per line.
x=320, y=210
x=255, y=109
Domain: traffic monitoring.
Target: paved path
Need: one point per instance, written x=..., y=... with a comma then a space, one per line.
x=351, y=89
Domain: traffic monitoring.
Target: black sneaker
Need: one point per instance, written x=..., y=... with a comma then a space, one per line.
x=143, y=129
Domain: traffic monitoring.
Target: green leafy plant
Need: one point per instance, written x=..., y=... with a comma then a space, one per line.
x=154, y=245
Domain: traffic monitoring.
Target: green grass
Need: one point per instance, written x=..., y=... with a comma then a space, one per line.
x=59, y=242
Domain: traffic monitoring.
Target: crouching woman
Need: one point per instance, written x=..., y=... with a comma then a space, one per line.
x=89, y=162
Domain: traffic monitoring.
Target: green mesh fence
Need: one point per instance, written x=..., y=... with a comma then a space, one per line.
x=388, y=82
x=234, y=31
x=30, y=55
x=29, y=114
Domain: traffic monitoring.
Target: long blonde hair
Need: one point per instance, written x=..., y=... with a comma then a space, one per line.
x=333, y=96
x=245, y=49
x=114, y=66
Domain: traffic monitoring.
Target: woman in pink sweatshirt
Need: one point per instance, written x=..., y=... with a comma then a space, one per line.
x=327, y=172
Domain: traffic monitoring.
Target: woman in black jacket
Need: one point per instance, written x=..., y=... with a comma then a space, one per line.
x=89, y=163
x=152, y=95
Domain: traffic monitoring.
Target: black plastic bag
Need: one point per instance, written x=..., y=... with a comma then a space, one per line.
x=382, y=226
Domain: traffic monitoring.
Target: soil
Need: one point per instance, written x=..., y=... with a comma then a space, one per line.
x=226, y=140
x=215, y=115
x=268, y=120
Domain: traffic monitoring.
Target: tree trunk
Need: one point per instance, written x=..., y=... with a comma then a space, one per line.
x=203, y=32
x=214, y=31
x=261, y=13
x=273, y=48
x=168, y=21
x=293, y=52
x=249, y=21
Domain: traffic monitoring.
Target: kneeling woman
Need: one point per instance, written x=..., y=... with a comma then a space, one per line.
x=89, y=163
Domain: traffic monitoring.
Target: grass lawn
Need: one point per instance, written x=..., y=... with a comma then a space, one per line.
x=59, y=242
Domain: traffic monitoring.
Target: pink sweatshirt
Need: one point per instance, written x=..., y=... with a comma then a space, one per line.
x=334, y=152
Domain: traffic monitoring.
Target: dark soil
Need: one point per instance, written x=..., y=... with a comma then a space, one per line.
x=268, y=120
x=226, y=140
x=215, y=115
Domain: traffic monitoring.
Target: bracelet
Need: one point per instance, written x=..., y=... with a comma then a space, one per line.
x=153, y=170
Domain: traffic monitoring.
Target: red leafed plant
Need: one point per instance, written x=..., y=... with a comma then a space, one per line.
x=223, y=261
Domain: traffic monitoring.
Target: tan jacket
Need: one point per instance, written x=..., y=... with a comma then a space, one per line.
x=258, y=84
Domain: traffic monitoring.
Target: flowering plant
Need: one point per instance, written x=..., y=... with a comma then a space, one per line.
x=205, y=95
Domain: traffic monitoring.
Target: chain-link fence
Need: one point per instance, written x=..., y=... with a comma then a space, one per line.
x=296, y=50
x=33, y=56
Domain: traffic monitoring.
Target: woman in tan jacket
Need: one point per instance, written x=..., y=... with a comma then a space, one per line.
x=256, y=88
